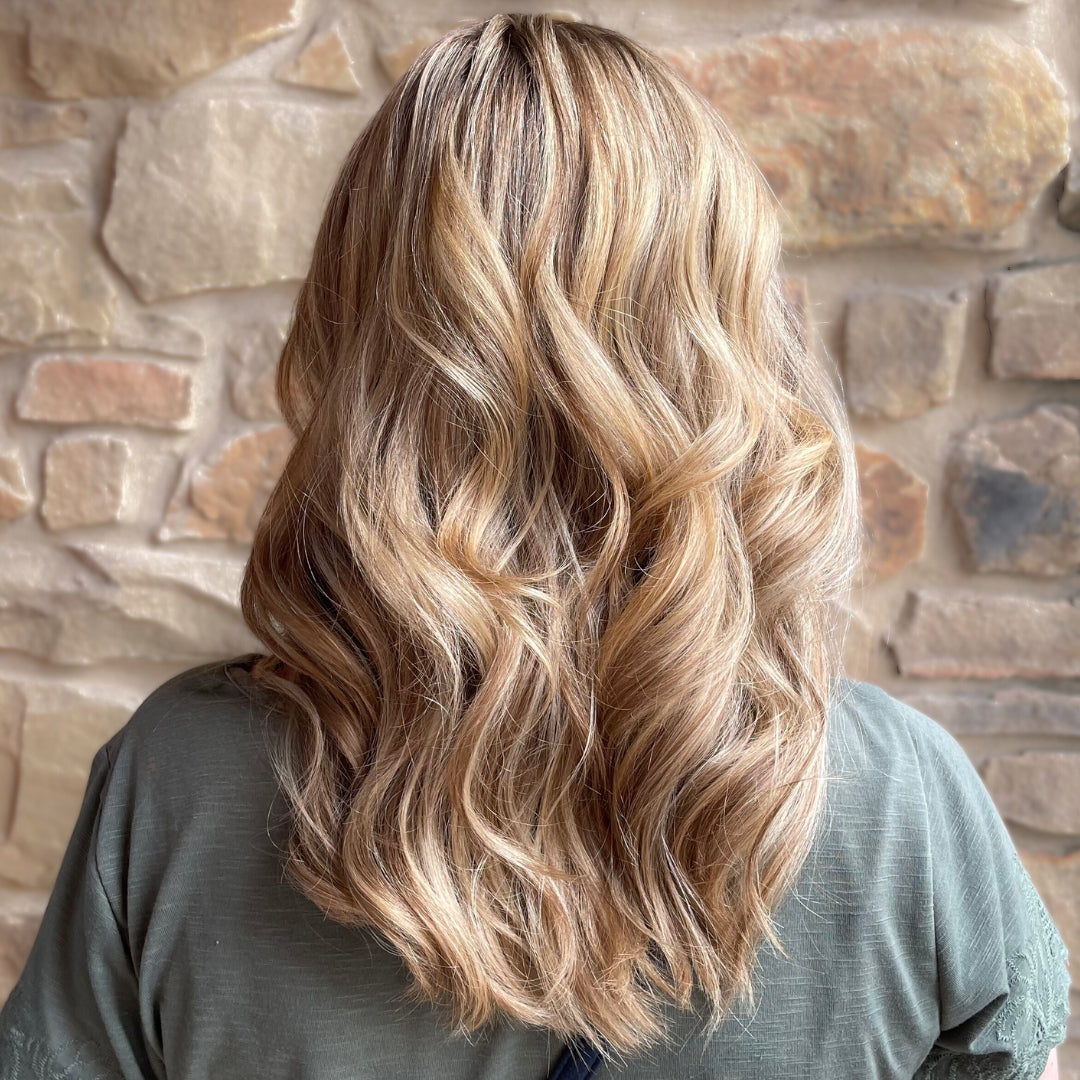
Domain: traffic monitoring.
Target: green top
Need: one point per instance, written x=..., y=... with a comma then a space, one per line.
x=173, y=945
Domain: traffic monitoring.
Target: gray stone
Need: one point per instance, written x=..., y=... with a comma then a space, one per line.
x=253, y=352
x=1038, y=789
x=1008, y=711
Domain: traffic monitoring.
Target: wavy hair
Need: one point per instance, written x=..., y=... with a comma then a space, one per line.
x=548, y=582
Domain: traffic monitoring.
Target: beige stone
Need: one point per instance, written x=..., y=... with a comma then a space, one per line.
x=94, y=390
x=15, y=497
x=1008, y=711
x=54, y=289
x=85, y=478
x=114, y=48
x=1069, y=204
x=86, y=603
x=872, y=132
x=26, y=123
x=902, y=351
x=1038, y=789
x=796, y=293
x=860, y=644
x=323, y=63
x=153, y=331
x=893, y=501
x=228, y=491
x=222, y=192
x=63, y=726
x=252, y=354
x=963, y=636
x=1015, y=486
x=20, y=916
x=398, y=57
x=1034, y=317
x=12, y=706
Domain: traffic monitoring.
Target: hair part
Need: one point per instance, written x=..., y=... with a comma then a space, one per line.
x=548, y=581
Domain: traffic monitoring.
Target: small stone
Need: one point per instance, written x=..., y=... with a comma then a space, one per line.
x=26, y=123
x=21, y=913
x=152, y=331
x=1034, y=317
x=63, y=726
x=253, y=352
x=1008, y=711
x=175, y=223
x=871, y=132
x=1037, y=789
x=893, y=502
x=323, y=63
x=902, y=351
x=1069, y=206
x=796, y=294
x=15, y=497
x=1015, y=485
x=227, y=492
x=81, y=390
x=85, y=478
x=396, y=59
x=859, y=646
x=113, y=48
x=959, y=636
x=1057, y=881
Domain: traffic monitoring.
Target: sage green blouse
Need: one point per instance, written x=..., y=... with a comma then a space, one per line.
x=174, y=946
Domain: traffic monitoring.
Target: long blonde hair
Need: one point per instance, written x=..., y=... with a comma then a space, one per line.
x=547, y=584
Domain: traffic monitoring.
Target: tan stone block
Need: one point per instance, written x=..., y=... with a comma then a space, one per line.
x=175, y=224
x=253, y=352
x=953, y=635
x=1057, y=880
x=20, y=916
x=152, y=331
x=397, y=58
x=15, y=497
x=1039, y=789
x=902, y=351
x=860, y=644
x=96, y=390
x=893, y=503
x=1015, y=485
x=1034, y=317
x=876, y=133
x=113, y=48
x=26, y=123
x=1008, y=711
x=85, y=478
x=324, y=63
x=63, y=727
x=228, y=491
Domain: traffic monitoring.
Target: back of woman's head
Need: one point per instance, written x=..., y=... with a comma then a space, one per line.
x=548, y=580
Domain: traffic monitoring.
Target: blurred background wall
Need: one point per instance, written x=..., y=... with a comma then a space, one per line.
x=163, y=165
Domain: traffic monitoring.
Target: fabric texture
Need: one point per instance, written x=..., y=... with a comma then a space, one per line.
x=173, y=944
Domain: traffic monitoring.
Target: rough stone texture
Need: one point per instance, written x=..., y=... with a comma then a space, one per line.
x=873, y=132
x=252, y=355
x=152, y=331
x=893, y=503
x=1034, y=320
x=902, y=351
x=1019, y=710
x=1015, y=485
x=1037, y=789
x=87, y=603
x=953, y=635
x=1069, y=205
x=221, y=193
x=15, y=497
x=226, y=493
x=114, y=48
x=85, y=478
x=84, y=390
x=20, y=916
x=53, y=285
x=797, y=295
x=324, y=63
x=62, y=729
x=25, y=123
x=1057, y=880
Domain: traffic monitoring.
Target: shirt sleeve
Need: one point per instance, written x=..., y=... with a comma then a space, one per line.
x=74, y=1013
x=1003, y=980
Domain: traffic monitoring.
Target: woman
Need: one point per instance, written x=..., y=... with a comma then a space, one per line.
x=549, y=757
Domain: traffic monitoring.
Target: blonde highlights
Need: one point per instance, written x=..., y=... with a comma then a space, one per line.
x=548, y=582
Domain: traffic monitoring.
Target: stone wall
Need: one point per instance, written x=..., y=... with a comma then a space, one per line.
x=161, y=179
